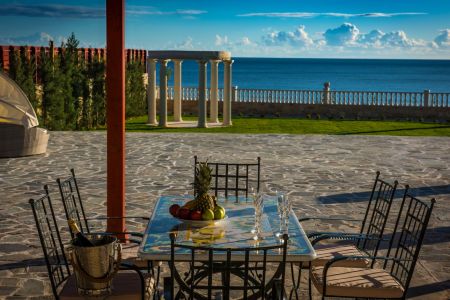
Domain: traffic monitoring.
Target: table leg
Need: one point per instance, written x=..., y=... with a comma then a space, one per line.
x=295, y=280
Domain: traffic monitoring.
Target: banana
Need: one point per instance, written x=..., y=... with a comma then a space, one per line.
x=190, y=204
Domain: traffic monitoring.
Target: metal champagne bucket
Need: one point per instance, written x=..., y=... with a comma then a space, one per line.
x=96, y=266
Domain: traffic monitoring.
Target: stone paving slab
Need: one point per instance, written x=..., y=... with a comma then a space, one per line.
x=325, y=175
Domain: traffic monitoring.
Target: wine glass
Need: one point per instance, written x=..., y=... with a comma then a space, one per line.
x=281, y=211
x=287, y=207
x=258, y=203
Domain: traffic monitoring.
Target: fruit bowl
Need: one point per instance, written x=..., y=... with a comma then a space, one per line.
x=200, y=222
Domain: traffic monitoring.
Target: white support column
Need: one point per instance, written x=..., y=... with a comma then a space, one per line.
x=163, y=92
x=227, y=70
x=214, y=94
x=177, y=98
x=151, y=91
x=202, y=64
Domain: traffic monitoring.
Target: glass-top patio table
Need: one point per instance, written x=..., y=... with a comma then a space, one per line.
x=232, y=232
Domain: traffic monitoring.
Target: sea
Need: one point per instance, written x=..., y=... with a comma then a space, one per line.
x=401, y=75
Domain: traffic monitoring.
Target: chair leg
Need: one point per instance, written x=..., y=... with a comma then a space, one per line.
x=168, y=288
x=309, y=286
x=295, y=281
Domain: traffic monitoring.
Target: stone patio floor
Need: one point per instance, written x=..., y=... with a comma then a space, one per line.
x=325, y=175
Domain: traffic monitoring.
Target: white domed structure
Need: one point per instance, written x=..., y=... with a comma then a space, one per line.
x=19, y=134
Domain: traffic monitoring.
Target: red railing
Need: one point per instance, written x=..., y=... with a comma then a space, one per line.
x=87, y=53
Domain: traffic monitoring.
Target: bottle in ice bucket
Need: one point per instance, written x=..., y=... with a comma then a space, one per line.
x=81, y=238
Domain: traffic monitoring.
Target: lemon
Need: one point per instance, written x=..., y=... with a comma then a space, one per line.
x=219, y=212
x=208, y=215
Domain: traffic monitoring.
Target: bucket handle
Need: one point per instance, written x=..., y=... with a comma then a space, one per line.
x=115, y=265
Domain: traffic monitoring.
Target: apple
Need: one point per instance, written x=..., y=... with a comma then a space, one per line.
x=208, y=214
x=219, y=212
x=183, y=213
x=173, y=209
x=196, y=215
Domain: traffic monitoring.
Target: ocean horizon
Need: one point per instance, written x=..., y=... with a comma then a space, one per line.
x=396, y=75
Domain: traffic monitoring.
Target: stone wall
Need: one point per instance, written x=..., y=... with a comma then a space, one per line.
x=326, y=111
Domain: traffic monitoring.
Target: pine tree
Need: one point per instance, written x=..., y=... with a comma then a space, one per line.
x=22, y=72
x=86, y=104
x=77, y=79
x=97, y=77
x=66, y=64
x=52, y=92
x=135, y=90
x=15, y=67
x=27, y=84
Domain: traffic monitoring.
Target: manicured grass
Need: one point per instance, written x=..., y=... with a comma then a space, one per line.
x=305, y=126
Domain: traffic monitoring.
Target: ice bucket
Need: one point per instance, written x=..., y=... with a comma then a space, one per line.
x=95, y=266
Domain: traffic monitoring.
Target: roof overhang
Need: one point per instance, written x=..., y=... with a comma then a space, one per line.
x=193, y=55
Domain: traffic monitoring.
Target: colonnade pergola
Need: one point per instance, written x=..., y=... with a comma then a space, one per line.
x=202, y=58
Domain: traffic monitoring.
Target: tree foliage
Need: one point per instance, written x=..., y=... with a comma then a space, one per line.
x=70, y=93
x=135, y=90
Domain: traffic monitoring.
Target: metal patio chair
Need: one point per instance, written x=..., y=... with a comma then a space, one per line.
x=370, y=236
x=125, y=284
x=74, y=209
x=233, y=179
x=225, y=272
x=391, y=281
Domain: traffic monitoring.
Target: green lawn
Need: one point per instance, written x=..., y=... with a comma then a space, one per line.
x=305, y=126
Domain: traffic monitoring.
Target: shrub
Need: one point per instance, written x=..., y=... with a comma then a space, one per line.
x=52, y=93
x=96, y=75
x=135, y=90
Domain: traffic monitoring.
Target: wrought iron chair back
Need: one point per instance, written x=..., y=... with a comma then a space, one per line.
x=411, y=224
x=405, y=243
x=49, y=236
x=73, y=205
x=376, y=215
x=233, y=179
x=254, y=280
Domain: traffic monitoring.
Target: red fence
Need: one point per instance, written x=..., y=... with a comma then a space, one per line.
x=87, y=53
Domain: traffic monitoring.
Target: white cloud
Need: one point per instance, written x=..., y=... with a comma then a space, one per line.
x=152, y=11
x=378, y=39
x=344, y=35
x=190, y=12
x=328, y=14
x=187, y=44
x=226, y=43
x=398, y=39
x=35, y=39
x=246, y=41
x=297, y=38
x=347, y=40
x=443, y=39
x=221, y=41
x=372, y=38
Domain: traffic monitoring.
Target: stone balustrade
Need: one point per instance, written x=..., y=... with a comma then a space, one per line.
x=370, y=98
x=325, y=103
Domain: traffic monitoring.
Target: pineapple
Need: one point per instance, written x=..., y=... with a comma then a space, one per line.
x=202, y=184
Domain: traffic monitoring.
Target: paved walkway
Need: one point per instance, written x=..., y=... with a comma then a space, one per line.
x=328, y=175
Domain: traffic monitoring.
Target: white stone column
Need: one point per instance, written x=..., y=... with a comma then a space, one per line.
x=227, y=70
x=214, y=94
x=202, y=64
x=151, y=91
x=177, y=97
x=163, y=92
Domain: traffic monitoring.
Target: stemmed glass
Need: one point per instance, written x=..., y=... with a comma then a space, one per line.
x=258, y=203
x=287, y=207
x=284, y=206
x=281, y=212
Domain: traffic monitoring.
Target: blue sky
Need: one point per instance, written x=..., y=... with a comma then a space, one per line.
x=288, y=28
